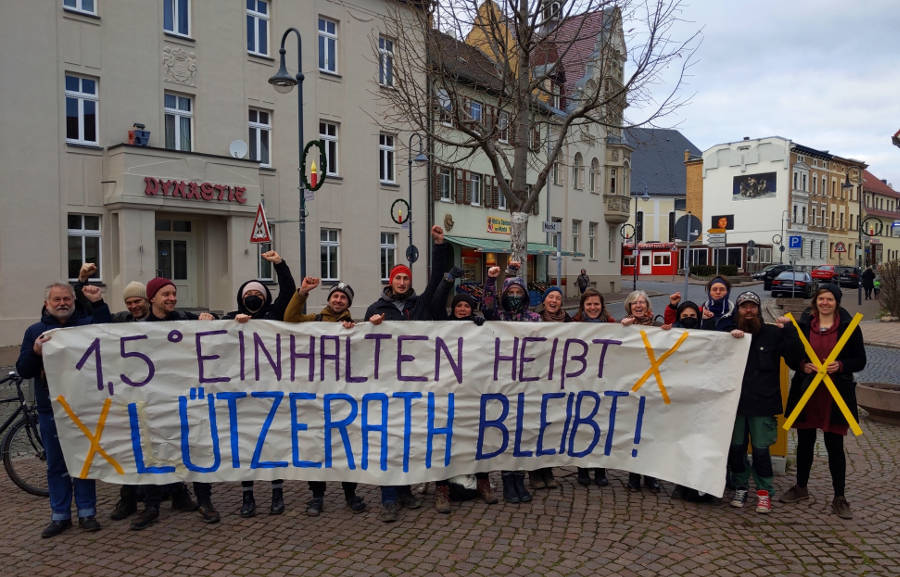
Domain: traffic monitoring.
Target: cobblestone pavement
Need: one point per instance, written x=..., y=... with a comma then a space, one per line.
x=882, y=366
x=563, y=532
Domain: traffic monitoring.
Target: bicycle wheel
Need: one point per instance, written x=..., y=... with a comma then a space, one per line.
x=24, y=457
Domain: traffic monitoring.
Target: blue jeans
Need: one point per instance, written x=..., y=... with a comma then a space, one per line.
x=59, y=482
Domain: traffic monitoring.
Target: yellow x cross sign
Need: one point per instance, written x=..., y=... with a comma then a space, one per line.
x=94, y=438
x=822, y=374
x=655, y=363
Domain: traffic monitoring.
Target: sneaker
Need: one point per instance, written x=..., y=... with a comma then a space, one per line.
x=145, y=518
x=584, y=476
x=55, y=528
x=88, y=524
x=442, y=498
x=356, y=504
x=124, y=508
x=841, y=508
x=794, y=494
x=763, y=502
x=389, y=512
x=410, y=501
x=314, y=507
x=739, y=498
x=208, y=513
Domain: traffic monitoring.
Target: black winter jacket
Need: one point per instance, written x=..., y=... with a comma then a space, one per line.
x=761, y=386
x=273, y=311
x=416, y=307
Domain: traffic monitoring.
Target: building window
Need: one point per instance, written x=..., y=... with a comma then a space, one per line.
x=475, y=111
x=501, y=199
x=84, y=243
x=595, y=175
x=445, y=182
x=179, y=113
x=804, y=183
x=388, y=253
x=260, y=136
x=327, y=45
x=385, y=61
x=86, y=6
x=662, y=259
x=258, y=27
x=81, y=110
x=803, y=209
x=612, y=181
x=475, y=189
x=592, y=240
x=386, y=158
x=328, y=131
x=177, y=17
x=576, y=235
x=578, y=171
x=556, y=173
x=503, y=126
x=795, y=180
x=264, y=269
x=330, y=247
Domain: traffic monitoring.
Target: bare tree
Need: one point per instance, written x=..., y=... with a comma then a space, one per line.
x=550, y=68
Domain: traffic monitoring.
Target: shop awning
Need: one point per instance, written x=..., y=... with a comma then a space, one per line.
x=501, y=246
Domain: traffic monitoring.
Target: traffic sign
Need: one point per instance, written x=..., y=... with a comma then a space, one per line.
x=716, y=231
x=840, y=247
x=687, y=228
x=553, y=226
x=795, y=241
x=260, y=232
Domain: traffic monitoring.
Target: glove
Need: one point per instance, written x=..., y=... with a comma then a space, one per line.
x=455, y=272
x=478, y=321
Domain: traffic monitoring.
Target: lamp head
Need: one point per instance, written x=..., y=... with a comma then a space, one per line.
x=282, y=81
x=420, y=158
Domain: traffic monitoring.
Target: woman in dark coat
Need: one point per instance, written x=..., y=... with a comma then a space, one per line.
x=823, y=327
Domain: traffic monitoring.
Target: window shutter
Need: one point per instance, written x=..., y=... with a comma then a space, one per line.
x=459, y=197
x=487, y=191
x=467, y=189
x=436, y=182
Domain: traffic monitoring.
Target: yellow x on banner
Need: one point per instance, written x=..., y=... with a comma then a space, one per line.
x=822, y=374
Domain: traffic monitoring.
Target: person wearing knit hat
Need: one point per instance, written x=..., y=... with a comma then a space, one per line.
x=135, y=297
x=155, y=285
x=718, y=305
x=552, y=310
x=399, y=302
x=254, y=301
x=687, y=316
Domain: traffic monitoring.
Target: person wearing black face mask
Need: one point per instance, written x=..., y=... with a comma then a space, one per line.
x=254, y=301
x=688, y=315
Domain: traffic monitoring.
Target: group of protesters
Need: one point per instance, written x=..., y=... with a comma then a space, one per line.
x=821, y=326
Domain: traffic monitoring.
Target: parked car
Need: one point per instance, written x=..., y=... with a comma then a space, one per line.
x=794, y=283
x=825, y=272
x=767, y=274
x=848, y=276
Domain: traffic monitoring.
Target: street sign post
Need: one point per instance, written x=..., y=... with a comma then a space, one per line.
x=551, y=226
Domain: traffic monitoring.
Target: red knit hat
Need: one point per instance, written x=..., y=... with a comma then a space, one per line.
x=155, y=284
x=400, y=268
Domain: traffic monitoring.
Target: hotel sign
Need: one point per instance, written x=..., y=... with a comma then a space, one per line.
x=498, y=225
x=205, y=191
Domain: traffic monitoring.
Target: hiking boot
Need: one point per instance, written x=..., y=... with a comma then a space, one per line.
x=356, y=503
x=841, y=508
x=55, y=528
x=634, y=483
x=145, y=518
x=521, y=491
x=763, y=502
x=549, y=481
x=389, y=512
x=124, y=508
x=181, y=499
x=739, y=498
x=536, y=479
x=584, y=476
x=510, y=495
x=408, y=500
x=794, y=494
x=486, y=492
x=442, y=498
x=208, y=513
x=314, y=506
x=277, y=506
x=600, y=478
x=248, y=505
x=88, y=524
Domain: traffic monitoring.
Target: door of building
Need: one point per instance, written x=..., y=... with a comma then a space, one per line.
x=176, y=259
x=646, y=263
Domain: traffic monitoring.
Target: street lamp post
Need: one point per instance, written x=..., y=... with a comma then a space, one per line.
x=284, y=83
x=860, y=249
x=419, y=158
x=784, y=214
x=634, y=251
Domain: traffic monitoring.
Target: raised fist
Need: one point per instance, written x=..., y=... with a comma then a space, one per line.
x=272, y=256
x=437, y=234
x=494, y=272
x=88, y=270
x=308, y=283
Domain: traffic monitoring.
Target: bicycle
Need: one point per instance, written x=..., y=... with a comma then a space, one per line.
x=24, y=457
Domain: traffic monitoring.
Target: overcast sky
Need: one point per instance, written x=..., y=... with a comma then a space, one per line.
x=825, y=74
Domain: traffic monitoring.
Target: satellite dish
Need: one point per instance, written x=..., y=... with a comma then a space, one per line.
x=238, y=148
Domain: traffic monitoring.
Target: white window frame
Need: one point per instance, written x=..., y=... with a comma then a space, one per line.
x=330, y=245
x=445, y=176
x=594, y=175
x=386, y=159
x=388, y=253
x=329, y=132
x=260, y=131
x=578, y=171
x=476, y=111
x=503, y=126
x=327, y=45
x=386, y=61
x=256, y=19
x=178, y=114
x=83, y=234
x=476, y=186
x=576, y=235
x=612, y=181
x=445, y=106
x=176, y=22
x=78, y=6
x=501, y=200
x=662, y=259
x=592, y=240
x=81, y=97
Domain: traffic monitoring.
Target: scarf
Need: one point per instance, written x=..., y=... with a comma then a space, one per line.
x=557, y=317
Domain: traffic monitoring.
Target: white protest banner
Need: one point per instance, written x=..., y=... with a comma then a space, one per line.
x=391, y=404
